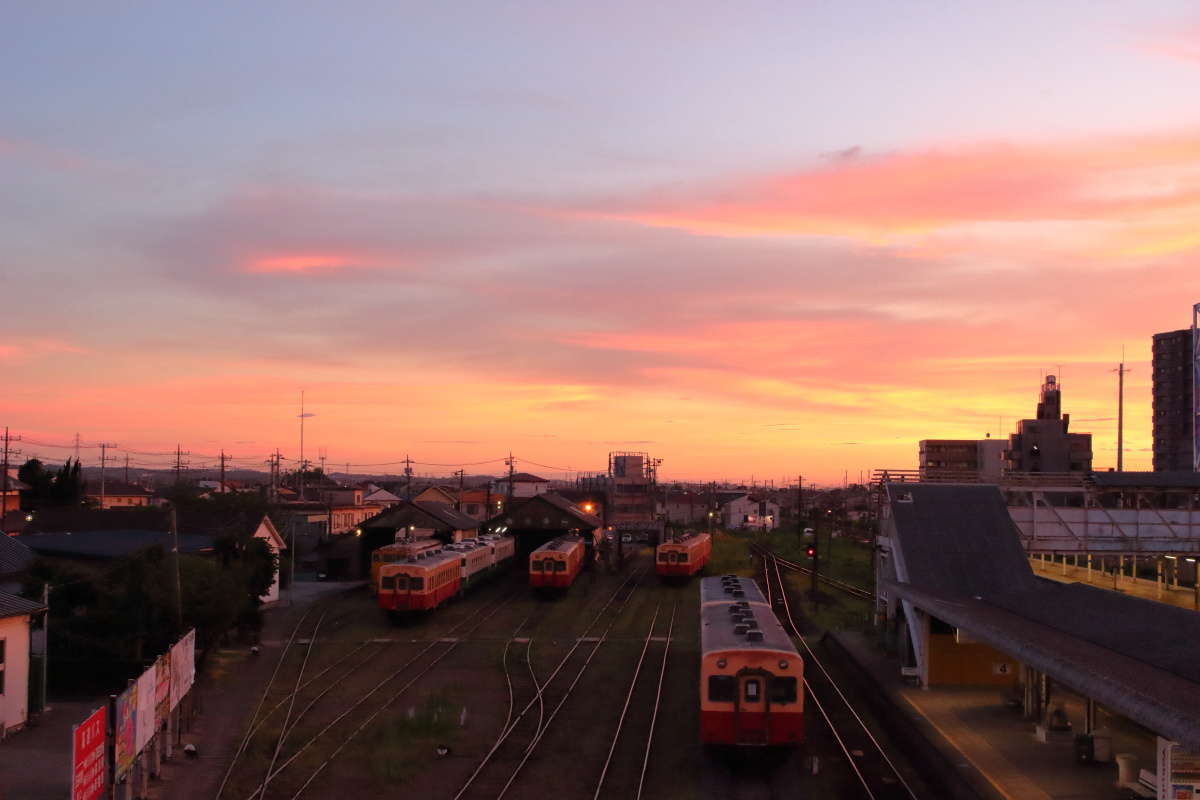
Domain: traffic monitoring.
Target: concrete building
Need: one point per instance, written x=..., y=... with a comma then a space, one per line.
x=1044, y=444
x=953, y=459
x=1172, y=360
x=16, y=620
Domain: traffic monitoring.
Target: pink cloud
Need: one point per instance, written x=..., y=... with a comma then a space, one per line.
x=298, y=263
x=1181, y=46
x=920, y=192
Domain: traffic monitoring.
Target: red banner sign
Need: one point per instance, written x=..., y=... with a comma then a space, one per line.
x=87, y=757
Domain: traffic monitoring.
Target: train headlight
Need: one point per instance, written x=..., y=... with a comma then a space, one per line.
x=783, y=664
x=720, y=663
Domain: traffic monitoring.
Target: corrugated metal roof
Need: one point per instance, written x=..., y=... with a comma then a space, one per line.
x=11, y=605
x=111, y=544
x=14, y=556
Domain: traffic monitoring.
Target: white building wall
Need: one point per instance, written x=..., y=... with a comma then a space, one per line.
x=14, y=700
x=272, y=595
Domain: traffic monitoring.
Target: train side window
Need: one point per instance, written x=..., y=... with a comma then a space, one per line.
x=388, y=582
x=560, y=566
x=783, y=690
x=752, y=691
x=683, y=558
x=721, y=688
x=416, y=583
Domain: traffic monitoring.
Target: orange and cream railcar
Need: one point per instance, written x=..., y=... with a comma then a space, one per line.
x=555, y=564
x=419, y=584
x=751, y=677
x=401, y=551
x=683, y=557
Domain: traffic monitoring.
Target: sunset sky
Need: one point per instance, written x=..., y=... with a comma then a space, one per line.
x=749, y=238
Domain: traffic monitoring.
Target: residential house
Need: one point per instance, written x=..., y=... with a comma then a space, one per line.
x=480, y=504
x=17, y=616
x=523, y=485
x=377, y=495
x=749, y=512
x=436, y=494
x=117, y=494
x=682, y=506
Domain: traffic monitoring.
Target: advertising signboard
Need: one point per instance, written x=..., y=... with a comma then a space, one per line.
x=124, y=730
x=87, y=757
x=144, y=716
x=183, y=667
x=162, y=688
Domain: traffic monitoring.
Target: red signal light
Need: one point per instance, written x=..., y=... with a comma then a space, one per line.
x=812, y=551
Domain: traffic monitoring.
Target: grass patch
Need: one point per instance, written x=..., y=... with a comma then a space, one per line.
x=405, y=743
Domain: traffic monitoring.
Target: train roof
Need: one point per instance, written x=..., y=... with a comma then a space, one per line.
x=686, y=541
x=560, y=544
x=432, y=562
x=712, y=590
x=719, y=618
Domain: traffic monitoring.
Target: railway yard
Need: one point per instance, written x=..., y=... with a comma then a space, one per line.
x=503, y=693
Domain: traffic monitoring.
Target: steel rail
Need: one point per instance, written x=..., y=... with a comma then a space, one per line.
x=284, y=730
x=250, y=729
x=637, y=670
x=812, y=656
x=566, y=695
x=657, y=704
x=384, y=682
x=538, y=699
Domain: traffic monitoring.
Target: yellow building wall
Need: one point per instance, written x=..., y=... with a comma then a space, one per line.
x=968, y=663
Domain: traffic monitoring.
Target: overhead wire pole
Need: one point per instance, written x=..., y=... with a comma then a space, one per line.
x=8, y=451
x=1120, y=370
x=104, y=446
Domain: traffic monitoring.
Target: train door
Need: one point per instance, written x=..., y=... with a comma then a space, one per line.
x=751, y=708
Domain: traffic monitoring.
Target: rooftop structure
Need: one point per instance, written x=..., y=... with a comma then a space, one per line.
x=1172, y=398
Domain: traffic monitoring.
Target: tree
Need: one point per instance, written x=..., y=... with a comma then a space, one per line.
x=33, y=473
x=67, y=488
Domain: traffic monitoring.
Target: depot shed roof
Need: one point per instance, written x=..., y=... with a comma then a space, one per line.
x=958, y=558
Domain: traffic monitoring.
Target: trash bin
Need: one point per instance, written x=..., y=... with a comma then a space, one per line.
x=1083, y=749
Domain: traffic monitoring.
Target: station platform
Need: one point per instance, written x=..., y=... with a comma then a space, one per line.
x=996, y=751
x=1165, y=592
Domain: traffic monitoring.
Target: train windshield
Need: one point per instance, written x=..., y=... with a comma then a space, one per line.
x=388, y=582
x=416, y=584
x=783, y=690
x=721, y=688
x=401, y=583
x=560, y=566
x=535, y=566
x=663, y=556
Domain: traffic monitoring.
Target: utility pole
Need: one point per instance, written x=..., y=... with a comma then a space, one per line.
x=127, y=468
x=180, y=464
x=303, y=463
x=509, y=461
x=103, y=461
x=462, y=476
x=1120, y=370
x=408, y=475
x=322, y=454
x=76, y=447
x=178, y=583
x=8, y=451
x=800, y=510
x=222, y=470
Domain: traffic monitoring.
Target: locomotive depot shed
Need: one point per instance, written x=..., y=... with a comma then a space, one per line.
x=541, y=518
x=951, y=552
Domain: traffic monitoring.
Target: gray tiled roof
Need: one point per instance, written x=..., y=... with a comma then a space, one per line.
x=11, y=605
x=14, y=556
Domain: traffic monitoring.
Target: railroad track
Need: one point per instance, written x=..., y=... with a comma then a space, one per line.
x=842, y=586
x=624, y=778
x=874, y=770
x=352, y=711
x=503, y=763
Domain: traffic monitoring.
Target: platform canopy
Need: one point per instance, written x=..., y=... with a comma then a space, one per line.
x=957, y=557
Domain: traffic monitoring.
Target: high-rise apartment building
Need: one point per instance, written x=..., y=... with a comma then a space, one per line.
x=1172, y=360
